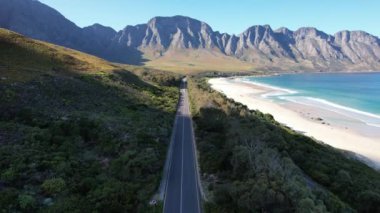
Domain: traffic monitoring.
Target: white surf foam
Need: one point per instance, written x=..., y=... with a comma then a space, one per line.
x=366, y=117
x=287, y=91
x=283, y=94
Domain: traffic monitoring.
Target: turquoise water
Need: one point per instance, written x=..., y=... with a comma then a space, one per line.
x=355, y=93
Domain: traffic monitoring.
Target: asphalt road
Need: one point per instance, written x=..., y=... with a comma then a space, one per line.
x=182, y=192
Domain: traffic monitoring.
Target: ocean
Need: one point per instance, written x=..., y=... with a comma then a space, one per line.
x=356, y=95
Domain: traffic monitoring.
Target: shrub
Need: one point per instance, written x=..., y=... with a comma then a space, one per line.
x=214, y=120
x=9, y=174
x=7, y=196
x=26, y=201
x=54, y=185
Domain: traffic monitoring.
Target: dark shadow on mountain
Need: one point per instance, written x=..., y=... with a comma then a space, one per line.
x=286, y=40
x=132, y=80
x=126, y=55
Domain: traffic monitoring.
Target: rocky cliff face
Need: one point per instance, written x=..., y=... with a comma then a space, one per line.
x=164, y=35
x=358, y=46
x=161, y=34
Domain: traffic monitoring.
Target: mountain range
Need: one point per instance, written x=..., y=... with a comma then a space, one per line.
x=182, y=42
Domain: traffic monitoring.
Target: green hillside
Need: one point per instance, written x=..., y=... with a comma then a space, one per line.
x=79, y=134
x=22, y=58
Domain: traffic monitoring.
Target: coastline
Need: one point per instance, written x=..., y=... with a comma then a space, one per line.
x=323, y=125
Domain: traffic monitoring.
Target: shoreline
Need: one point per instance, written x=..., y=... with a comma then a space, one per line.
x=369, y=118
x=328, y=127
x=316, y=72
x=275, y=73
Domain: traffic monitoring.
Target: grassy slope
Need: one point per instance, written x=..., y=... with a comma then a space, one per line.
x=22, y=58
x=79, y=134
x=254, y=164
x=197, y=61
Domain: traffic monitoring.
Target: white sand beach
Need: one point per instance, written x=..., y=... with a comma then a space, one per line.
x=324, y=125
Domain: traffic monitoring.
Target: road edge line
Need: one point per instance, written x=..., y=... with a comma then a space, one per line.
x=164, y=181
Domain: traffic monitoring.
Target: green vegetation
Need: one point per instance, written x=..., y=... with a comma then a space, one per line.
x=78, y=134
x=201, y=61
x=251, y=163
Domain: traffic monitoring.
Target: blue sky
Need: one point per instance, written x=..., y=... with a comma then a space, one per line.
x=231, y=16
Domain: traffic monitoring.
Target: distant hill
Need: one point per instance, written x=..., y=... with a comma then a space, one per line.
x=195, y=45
x=38, y=21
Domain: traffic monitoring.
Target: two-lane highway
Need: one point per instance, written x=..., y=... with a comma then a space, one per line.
x=182, y=190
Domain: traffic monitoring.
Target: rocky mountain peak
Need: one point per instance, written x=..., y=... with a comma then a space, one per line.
x=181, y=31
x=305, y=32
x=285, y=31
x=182, y=23
x=100, y=30
x=356, y=36
x=258, y=44
x=258, y=30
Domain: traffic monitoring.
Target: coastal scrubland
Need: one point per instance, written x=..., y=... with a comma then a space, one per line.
x=251, y=163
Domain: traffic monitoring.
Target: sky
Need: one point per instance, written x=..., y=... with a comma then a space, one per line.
x=230, y=16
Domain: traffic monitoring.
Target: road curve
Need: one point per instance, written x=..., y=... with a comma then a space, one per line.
x=182, y=190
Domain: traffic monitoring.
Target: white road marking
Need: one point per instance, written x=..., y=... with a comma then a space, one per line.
x=184, y=110
x=183, y=139
x=171, y=153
